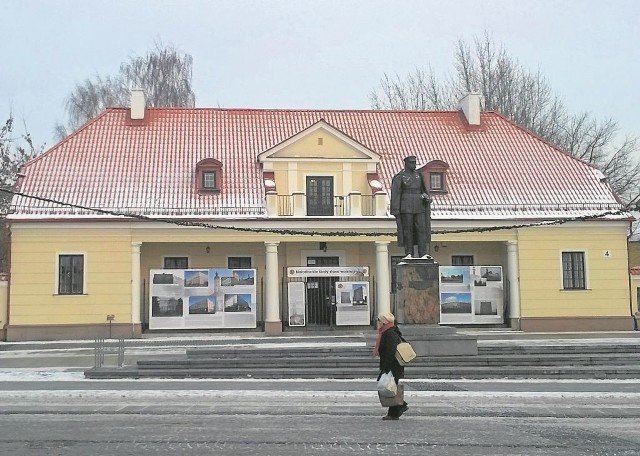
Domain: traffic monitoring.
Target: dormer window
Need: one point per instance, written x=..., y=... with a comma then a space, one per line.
x=435, y=173
x=209, y=175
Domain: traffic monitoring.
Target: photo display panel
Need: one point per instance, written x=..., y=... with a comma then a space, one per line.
x=202, y=298
x=352, y=303
x=471, y=294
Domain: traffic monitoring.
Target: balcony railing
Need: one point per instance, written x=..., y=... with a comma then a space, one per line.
x=285, y=205
x=352, y=205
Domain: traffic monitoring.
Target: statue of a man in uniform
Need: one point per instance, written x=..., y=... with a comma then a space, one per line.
x=411, y=206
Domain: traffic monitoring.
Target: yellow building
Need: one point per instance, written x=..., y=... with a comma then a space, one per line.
x=178, y=218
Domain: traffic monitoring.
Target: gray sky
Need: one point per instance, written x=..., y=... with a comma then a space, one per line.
x=314, y=54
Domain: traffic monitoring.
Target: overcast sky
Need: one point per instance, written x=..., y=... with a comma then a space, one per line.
x=314, y=54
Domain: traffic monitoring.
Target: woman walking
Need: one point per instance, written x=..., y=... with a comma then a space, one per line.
x=389, y=336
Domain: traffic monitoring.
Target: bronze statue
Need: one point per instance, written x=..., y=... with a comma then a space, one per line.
x=411, y=206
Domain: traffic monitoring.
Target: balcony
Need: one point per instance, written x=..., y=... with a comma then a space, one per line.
x=354, y=204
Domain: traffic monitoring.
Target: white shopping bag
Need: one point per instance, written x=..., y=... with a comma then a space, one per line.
x=387, y=385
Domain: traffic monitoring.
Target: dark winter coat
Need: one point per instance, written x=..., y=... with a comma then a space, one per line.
x=387, y=350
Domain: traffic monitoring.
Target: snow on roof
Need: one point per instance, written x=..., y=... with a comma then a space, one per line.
x=497, y=170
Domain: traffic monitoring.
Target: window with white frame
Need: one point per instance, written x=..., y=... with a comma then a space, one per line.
x=436, y=181
x=70, y=274
x=209, y=180
x=573, y=271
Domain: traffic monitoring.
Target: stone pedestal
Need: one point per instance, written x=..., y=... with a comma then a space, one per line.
x=418, y=311
x=417, y=291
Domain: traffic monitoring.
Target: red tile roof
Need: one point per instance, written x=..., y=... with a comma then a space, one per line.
x=496, y=171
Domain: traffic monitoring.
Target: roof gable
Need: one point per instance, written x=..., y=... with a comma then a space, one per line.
x=319, y=141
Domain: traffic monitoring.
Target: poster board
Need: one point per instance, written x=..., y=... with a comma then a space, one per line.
x=471, y=295
x=202, y=298
x=297, y=305
x=352, y=303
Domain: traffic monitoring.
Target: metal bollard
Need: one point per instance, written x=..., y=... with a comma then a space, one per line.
x=120, y=352
x=98, y=354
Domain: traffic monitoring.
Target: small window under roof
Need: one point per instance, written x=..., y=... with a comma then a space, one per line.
x=209, y=175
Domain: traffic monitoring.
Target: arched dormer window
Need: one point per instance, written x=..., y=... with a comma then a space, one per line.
x=435, y=173
x=209, y=175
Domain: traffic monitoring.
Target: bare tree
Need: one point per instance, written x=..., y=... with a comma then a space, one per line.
x=15, y=151
x=419, y=91
x=524, y=96
x=164, y=74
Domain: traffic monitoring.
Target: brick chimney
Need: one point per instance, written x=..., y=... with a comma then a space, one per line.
x=137, y=104
x=470, y=106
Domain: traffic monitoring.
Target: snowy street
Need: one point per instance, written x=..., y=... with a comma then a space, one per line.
x=61, y=414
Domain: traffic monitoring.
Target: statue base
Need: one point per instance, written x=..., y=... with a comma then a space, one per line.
x=434, y=340
x=417, y=291
x=418, y=311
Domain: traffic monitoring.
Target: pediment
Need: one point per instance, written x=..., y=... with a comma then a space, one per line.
x=319, y=141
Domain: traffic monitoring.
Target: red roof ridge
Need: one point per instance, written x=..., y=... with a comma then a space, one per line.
x=186, y=108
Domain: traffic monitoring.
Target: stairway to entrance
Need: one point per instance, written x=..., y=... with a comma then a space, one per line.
x=576, y=360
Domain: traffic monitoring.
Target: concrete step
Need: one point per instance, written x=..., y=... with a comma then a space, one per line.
x=579, y=372
x=611, y=371
x=250, y=352
x=231, y=352
x=348, y=360
x=495, y=360
x=558, y=349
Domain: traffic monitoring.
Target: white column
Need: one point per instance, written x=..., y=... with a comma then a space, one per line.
x=135, y=283
x=272, y=288
x=383, y=286
x=514, y=280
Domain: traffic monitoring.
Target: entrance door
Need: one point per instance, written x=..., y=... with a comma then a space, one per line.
x=320, y=195
x=321, y=292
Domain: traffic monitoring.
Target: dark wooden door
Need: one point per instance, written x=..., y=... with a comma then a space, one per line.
x=320, y=195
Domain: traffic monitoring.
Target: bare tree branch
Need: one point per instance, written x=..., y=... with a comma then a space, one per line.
x=524, y=96
x=163, y=73
x=14, y=152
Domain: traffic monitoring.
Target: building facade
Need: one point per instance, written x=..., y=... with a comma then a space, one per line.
x=219, y=219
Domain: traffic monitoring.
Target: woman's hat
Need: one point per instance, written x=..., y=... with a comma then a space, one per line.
x=386, y=317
